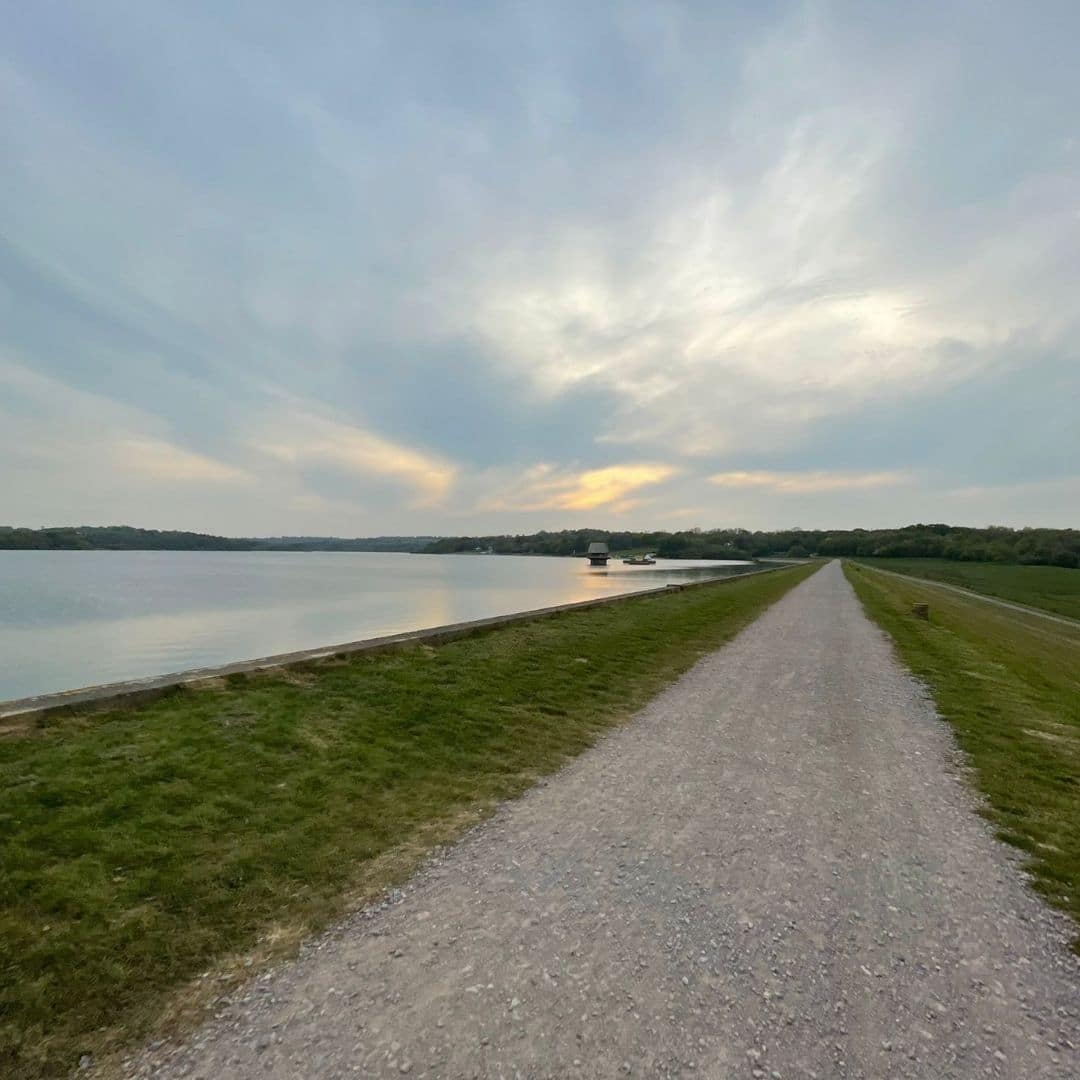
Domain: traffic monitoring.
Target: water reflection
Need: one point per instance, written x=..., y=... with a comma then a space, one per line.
x=72, y=619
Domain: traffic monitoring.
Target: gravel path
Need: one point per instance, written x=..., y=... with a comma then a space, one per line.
x=776, y=870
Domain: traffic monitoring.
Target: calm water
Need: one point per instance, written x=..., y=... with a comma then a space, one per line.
x=78, y=618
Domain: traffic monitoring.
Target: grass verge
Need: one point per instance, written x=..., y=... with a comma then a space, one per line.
x=1052, y=588
x=209, y=832
x=1010, y=686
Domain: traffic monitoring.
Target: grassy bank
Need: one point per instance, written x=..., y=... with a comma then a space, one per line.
x=1010, y=686
x=214, y=829
x=1052, y=588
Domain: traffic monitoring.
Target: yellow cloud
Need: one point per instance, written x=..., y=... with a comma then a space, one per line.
x=806, y=483
x=314, y=440
x=165, y=462
x=541, y=488
x=599, y=487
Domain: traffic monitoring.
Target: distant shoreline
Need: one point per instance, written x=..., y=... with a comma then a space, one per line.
x=954, y=543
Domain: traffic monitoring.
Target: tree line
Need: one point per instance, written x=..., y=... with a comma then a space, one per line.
x=1052, y=547
x=126, y=538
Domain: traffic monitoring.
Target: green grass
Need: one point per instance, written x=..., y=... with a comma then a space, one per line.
x=1009, y=684
x=214, y=829
x=1053, y=588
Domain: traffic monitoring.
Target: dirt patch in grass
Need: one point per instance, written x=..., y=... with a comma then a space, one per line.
x=151, y=858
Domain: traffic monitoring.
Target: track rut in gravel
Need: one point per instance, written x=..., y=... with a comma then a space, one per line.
x=775, y=870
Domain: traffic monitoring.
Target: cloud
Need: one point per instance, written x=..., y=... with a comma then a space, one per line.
x=807, y=483
x=165, y=463
x=305, y=439
x=602, y=487
x=545, y=488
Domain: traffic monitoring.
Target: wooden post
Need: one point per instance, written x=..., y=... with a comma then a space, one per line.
x=921, y=611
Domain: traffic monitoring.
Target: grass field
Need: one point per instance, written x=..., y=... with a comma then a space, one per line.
x=1052, y=588
x=1009, y=684
x=211, y=831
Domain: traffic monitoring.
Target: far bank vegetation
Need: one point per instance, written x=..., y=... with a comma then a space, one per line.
x=1033, y=547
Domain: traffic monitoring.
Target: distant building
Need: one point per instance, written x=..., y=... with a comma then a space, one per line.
x=598, y=553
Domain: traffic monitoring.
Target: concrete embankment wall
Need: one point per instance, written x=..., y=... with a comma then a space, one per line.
x=24, y=713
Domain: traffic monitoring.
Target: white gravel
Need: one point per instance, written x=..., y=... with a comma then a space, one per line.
x=776, y=870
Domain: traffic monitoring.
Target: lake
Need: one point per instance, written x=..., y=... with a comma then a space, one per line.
x=79, y=618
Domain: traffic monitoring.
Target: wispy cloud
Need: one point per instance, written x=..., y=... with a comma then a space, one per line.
x=165, y=463
x=305, y=439
x=808, y=483
x=543, y=487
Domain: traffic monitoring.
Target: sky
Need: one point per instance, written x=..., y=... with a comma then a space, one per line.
x=270, y=268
